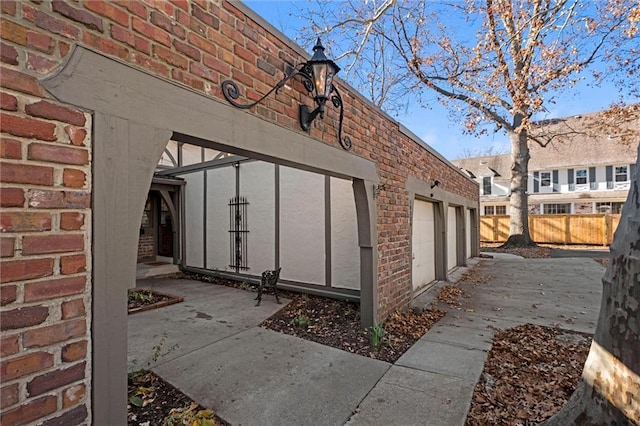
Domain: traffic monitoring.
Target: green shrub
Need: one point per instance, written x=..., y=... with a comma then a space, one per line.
x=301, y=321
x=375, y=335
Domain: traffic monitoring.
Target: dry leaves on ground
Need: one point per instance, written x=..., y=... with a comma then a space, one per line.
x=473, y=276
x=336, y=323
x=529, y=375
x=603, y=261
x=151, y=400
x=449, y=294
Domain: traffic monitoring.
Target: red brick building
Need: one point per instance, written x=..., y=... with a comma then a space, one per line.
x=91, y=92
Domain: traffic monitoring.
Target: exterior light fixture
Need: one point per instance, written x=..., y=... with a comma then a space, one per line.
x=317, y=76
x=435, y=183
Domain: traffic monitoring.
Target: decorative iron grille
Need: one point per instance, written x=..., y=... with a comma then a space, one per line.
x=238, y=233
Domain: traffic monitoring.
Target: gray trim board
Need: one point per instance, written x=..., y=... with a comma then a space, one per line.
x=205, y=190
x=205, y=165
x=316, y=289
x=327, y=231
x=95, y=82
x=367, y=241
x=460, y=236
x=276, y=237
x=124, y=156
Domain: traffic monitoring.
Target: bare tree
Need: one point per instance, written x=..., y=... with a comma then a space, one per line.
x=501, y=62
x=491, y=150
x=491, y=62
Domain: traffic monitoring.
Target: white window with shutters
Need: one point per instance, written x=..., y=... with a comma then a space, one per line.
x=582, y=180
x=621, y=177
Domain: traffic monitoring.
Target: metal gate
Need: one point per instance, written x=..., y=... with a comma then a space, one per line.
x=238, y=233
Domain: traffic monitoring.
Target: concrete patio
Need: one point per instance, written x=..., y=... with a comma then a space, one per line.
x=253, y=376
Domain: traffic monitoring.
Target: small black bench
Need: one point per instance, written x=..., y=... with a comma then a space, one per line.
x=269, y=279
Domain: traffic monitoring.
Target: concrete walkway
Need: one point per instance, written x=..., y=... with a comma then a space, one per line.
x=253, y=376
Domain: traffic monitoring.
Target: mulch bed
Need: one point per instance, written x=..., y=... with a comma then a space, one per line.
x=336, y=323
x=530, y=373
x=140, y=300
x=151, y=399
x=527, y=252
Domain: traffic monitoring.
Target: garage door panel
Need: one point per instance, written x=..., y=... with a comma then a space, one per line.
x=452, y=238
x=423, y=242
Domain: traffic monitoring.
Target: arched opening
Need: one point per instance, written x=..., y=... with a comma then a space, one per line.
x=131, y=128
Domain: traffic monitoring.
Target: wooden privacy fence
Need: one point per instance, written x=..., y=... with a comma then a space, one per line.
x=597, y=229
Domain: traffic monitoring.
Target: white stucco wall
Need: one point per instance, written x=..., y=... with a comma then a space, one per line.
x=221, y=187
x=257, y=184
x=302, y=218
x=301, y=222
x=345, y=253
x=193, y=206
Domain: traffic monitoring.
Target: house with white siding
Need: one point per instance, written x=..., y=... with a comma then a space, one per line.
x=585, y=166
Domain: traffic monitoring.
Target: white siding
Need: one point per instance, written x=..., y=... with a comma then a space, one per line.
x=500, y=189
x=221, y=187
x=345, y=253
x=423, y=244
x=193, y=200
x=302, y=217
x=257, y=184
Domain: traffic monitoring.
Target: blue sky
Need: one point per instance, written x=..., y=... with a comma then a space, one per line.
x=433, y=125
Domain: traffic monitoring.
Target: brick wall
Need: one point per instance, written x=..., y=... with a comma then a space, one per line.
x=145, y=247
x=45, y=200
x=45, y=174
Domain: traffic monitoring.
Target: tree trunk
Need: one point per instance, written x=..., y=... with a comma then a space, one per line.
x=609, y=391
x=518, y=204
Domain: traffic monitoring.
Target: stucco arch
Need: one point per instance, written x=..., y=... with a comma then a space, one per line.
x=134, y=116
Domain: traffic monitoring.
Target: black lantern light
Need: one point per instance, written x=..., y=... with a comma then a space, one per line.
x=317, y=75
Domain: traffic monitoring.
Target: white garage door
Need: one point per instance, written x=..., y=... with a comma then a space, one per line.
x=423, y=241
x=452, y=227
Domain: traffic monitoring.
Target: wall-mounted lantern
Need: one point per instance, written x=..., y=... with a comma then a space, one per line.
x=317, y=75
